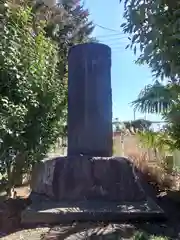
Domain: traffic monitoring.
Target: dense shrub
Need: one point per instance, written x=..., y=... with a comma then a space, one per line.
x=153, y=172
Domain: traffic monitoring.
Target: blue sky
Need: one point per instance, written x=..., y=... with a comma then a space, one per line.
x=127, y=77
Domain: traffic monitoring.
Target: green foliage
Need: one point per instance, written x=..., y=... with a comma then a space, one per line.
x=159, y=141
x=163, y=100
x=144, y=236
x=140, y=236
x=33, y=86
x=174, y=133
x=155, y=32
x=138, y=124
x=156, y=98
x=69, y=24
x=135, y=125
x=32, y=93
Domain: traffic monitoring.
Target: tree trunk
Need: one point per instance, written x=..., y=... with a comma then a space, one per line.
x=15, y=172
x=18, y=170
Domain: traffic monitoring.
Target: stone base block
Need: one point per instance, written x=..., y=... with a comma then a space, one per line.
x=46, y=211
x=87, y=178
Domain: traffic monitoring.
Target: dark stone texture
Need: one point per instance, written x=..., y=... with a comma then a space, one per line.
x=89, y=100
x=44, y=210
x=88, y=178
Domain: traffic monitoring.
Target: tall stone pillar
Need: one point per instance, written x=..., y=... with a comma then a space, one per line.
x=89, y=100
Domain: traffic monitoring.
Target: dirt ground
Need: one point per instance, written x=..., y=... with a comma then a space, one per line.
x=23, y=192
x=169, y=229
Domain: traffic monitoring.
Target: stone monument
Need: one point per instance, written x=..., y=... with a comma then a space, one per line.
x=90, y=101
x=89, y=179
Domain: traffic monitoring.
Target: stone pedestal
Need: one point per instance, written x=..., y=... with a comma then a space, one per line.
x=87, y=189
x=87, y=178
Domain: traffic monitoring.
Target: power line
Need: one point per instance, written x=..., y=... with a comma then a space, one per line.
x=117, y=32
x=118, y=49
x=120, y=44
x=110, y=35
x=113, y=39
x=103, y=27
x=117, y=44
x=106, y=28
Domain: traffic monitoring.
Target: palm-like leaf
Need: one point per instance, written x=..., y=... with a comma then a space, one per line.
x=156, y=98
x=173, y=115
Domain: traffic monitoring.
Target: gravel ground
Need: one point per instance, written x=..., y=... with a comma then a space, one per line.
x=169, y=229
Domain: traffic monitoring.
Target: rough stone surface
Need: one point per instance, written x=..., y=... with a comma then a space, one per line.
x=89, y=100
x=87, y=178
x=44, y=210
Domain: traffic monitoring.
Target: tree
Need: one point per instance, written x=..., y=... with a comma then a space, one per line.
x=155, y=98
x=163, y=100
x=155, y=32
x=33, y=89
x=131, y=126
x=138, y=124
x=160, y=99
x=31, y=94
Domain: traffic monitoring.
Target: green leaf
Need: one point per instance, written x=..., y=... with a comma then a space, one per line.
x=33, y=93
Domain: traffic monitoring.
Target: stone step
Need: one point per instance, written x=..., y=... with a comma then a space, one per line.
x=49, y=212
